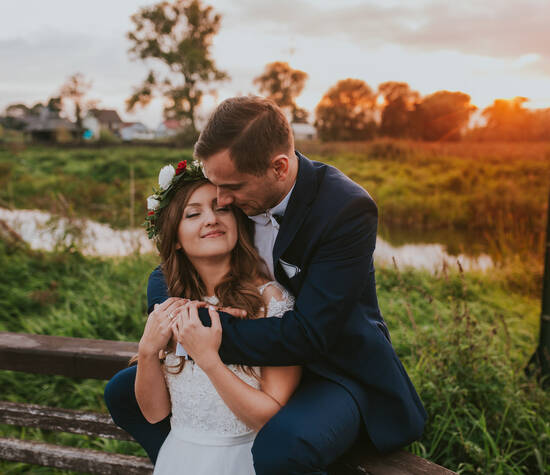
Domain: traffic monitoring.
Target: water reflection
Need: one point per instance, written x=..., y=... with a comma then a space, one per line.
x=431, y=257
x=43, y=231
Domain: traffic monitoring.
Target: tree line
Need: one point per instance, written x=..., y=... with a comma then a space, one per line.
x=175, y=39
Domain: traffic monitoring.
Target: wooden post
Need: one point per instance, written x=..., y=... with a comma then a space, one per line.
x=132, y=195
x=540, y=361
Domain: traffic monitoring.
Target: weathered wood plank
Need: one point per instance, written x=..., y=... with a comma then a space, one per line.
x=61, y=420
x=100, y=359
x=70, y=458
x=73, y=357
x=395, y=463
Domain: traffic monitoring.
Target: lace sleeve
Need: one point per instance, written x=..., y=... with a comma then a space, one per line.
x=280, y=299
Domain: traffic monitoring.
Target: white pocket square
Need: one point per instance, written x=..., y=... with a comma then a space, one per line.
x=290, y=269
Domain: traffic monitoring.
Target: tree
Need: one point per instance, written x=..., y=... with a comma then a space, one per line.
x=346, y=112
x=178, y=35
x=74, y=90
x=442, y=115
x=507, y=120
x=282, y=84
x=399, y=101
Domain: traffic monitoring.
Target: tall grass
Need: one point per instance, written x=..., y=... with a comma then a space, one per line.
x=464, y=340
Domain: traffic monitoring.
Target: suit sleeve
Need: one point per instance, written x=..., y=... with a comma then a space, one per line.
x=334, y=281
x=157, y=292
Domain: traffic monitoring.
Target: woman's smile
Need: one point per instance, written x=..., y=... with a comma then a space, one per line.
x=214, y=234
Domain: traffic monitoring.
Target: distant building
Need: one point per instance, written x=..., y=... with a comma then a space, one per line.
x=303, y=131
x=97, y=119
x=169, y=128
x=135, y=131
x=47, y=126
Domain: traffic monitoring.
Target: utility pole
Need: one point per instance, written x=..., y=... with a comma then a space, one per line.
x=541, y=359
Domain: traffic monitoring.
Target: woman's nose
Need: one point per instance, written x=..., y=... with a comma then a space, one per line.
x=210, y=217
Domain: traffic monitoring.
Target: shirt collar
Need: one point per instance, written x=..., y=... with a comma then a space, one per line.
x=266, y=216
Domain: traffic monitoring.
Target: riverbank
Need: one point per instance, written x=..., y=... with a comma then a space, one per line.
x=463, y=337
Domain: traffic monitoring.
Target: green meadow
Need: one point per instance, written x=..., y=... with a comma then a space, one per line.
x=465, y=338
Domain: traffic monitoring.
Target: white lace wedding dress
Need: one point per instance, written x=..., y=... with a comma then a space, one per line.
x=206, y=437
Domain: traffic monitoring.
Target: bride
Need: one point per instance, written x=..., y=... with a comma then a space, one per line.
x=208, y=256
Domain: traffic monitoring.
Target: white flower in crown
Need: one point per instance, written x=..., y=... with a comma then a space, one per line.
x=152, y=203
x=165, y=176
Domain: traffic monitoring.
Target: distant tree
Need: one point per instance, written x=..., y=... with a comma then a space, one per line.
x=17, y=111
x=442, y=115
x=399, y=101
x=282, y=84
x=300, y=116
x=541, y=124
x=508, y=120
x=178, y=35
x=74, y=91
x=346, y=112
x=55, y=105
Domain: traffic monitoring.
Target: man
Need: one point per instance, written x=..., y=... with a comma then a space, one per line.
x=316, y=230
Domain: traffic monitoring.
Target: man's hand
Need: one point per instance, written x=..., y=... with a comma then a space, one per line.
x=235, y=312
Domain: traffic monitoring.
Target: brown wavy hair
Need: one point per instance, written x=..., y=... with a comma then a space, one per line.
x=238, y=288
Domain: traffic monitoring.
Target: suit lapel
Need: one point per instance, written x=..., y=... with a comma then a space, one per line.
x=298, y=206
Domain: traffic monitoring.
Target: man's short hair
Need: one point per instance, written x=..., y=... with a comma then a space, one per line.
x=252, y=128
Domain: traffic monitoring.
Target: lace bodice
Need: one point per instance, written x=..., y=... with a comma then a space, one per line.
x=196, y=404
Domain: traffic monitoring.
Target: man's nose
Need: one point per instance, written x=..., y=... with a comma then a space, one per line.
x=224, y=198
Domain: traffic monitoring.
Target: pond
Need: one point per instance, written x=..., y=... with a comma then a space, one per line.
x=45, y=231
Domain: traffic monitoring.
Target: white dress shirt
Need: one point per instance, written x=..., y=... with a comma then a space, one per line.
x=266, y=229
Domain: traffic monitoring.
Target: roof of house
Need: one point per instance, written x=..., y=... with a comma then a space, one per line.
x=36, y=124
x=303, y=128
x=172, y=124
x=106, y=115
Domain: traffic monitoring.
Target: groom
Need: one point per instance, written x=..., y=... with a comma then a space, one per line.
x=316, y=230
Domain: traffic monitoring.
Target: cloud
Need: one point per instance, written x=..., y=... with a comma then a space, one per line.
x=507, y=29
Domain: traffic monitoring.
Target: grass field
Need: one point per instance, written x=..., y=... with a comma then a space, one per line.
x=464, y=338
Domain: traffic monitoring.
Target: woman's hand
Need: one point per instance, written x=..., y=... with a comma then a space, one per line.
x=201, y=343
x=158, y=329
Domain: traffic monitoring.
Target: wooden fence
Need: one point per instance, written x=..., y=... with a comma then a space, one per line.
x=101, y=359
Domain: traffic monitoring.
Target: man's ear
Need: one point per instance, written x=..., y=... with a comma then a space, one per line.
x=280, y=166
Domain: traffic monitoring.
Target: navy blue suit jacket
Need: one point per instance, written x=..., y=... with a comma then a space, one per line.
x=327, y=237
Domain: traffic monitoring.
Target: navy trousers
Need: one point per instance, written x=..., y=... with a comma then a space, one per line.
x=319, y=424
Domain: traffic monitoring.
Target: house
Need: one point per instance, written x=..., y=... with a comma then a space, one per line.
x=135, y=131
x=48, y=126
x=98, y=119
x=168, y=128
x=303, y=131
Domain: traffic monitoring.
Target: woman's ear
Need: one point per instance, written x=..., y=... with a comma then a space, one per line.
x=178, y=246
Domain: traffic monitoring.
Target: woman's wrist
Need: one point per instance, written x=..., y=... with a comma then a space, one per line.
x=147, y=351
x=209, y=362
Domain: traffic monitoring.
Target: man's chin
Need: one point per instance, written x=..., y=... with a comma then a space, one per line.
x=249, y=210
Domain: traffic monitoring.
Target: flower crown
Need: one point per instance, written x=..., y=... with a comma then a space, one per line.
x=168, y=178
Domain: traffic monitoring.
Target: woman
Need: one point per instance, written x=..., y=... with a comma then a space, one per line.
x=207, y=255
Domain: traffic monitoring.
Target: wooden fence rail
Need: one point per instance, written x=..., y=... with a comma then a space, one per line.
x=101, y=359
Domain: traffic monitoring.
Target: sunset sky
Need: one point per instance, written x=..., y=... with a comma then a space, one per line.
x=486, y=48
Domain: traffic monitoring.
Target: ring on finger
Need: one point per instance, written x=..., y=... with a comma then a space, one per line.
x=171, y=316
